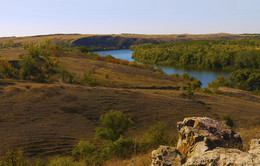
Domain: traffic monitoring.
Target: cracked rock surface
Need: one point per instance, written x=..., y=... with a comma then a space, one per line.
x=206, y=142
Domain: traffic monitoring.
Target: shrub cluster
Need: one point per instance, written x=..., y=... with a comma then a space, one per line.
x=36, y=65
x=245, y=79
x=40, y=65
x=111, y=142
x=7, y=44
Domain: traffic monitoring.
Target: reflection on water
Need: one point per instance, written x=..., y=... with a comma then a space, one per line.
x=204, y=76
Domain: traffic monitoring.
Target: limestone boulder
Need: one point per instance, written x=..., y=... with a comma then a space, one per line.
x=223, y=157
x=166, y=155
x=210, y=133
x=255, y=147
x=206, y=142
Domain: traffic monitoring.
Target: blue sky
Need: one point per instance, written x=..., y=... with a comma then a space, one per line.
x=34, y=17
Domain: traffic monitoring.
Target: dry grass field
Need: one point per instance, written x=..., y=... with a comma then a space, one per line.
x=47, y=119
x=114, y=75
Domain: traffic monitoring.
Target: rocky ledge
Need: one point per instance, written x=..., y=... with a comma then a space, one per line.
x=206, y=142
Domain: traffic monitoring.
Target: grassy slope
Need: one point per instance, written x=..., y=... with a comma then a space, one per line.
x=119, y=75
x=50, y=118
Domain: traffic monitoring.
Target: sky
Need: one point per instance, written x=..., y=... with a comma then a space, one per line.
x=36, y=17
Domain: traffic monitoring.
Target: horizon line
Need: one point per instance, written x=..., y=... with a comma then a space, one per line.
x=53, y=34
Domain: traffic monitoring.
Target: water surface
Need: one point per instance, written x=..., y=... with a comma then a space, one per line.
x=204, y=76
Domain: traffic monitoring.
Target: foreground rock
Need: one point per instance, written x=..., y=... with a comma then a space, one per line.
x=206, y=142
x=223, y=156
x=255, y=147
x=199, y=134
x=166, y=155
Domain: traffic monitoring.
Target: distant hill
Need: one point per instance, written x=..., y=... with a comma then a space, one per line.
x=98, y=42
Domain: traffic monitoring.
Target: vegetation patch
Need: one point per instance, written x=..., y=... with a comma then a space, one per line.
x=206, y=54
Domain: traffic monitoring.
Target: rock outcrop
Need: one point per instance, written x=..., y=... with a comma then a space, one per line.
x=223, y=157
x=203, y=142
x=255, y=147
x=208, y=133
x=166, y=155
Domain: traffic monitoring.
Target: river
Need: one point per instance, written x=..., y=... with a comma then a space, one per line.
x=204, y=76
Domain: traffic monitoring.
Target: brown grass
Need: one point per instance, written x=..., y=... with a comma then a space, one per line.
x=11, y=53
x=140, y=160
x=249, y=133
x=119, y=75
x=47, y=119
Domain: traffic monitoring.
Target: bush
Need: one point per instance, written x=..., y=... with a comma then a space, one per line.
x=88, y=79
x=14, y=158
x=83, y=149
x=229, y=121
x=159, y=70
x=182, y=88
x=67, y=76
x=115, y=125
x=110, y=137
x=195, y=84
x=175, y=75
x=153, y=138
x=87, y=152
x=37, y=64
x=188, y=93
x=109, y=57
x=83, y=49
x=245, y=79
x=121, y=148
x=220, y=81
x=207, y=90
x=186, y=76
x=134, y=64
x=7, y=70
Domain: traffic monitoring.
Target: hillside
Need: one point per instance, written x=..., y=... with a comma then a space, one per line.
x=117, y=41
x=49, y=118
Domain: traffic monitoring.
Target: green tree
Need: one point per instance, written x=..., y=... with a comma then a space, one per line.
x=37, y=63
x=220, y=81
x=119, y=148
x=83, y=49
x=84, y=149
x=115, y=125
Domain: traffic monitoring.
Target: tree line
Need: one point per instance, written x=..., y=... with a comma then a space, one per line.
x=240, y=56
x=206, y=54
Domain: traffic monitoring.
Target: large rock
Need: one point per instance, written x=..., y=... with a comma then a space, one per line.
x=223, y=157
x=255, y=147
x=166, y=155
x=207, y=132
x=206, y=142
